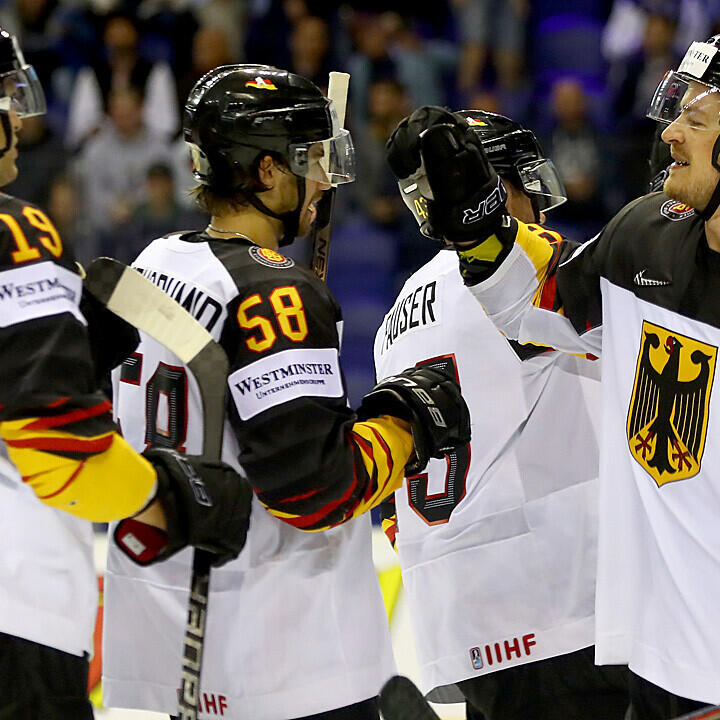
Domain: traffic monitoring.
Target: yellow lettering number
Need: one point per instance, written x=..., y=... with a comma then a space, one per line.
x=288, y=305
x=267, y=338
x=24, y=252
x=421, y=207
x=38, y=219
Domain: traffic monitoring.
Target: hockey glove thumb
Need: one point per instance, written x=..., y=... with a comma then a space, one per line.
x=468, y=203
x=431, y=402
x=206, y=505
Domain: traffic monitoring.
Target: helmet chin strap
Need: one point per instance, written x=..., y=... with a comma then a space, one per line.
x=535, y=207
x=714, y=201
x=7, y=129
x=290, y=219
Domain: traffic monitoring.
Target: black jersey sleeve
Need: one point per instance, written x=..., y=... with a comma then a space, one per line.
x=56, y=424
x=310, y=462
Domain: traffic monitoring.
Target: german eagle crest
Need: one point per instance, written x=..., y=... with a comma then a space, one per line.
x=668, y=414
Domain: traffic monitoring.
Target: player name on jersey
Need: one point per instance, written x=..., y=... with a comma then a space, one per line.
x=205, y=309
x=415, y=309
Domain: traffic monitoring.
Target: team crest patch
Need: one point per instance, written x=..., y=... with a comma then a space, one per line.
x=261, y=84
x=668, y=414
x=270, y=258
x=674, y=210
x=475, y=122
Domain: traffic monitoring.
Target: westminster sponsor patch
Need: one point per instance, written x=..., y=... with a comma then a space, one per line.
x=285, y=376
x=668, y=414
x=674, y=210
x=270, y=258
x=37, y=291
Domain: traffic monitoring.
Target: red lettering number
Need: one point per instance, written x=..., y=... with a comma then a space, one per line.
x=436, y=509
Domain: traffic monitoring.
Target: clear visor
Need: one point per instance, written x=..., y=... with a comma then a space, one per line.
x=685, y=101
x=21, y=90
x=327, y=161
x=540, y=178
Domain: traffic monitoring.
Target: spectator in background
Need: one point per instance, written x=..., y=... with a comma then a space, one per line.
x=578, y=152
x=120, y=68
x=310, y=49
x=388, y=46
x=113, y=165
x=425, y=66
x=64, y=208
x=210, y=49
x=226, y=14
x=42, y=156
x=370, y=61
x=490, y=32
x=377, y=194
x=482, y=99
x=157, y=215
x=633, y=83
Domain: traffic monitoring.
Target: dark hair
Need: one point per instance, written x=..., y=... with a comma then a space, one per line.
x=216, y=203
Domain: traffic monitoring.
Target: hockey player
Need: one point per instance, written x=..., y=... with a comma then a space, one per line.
x=509, y=523
x=57, y=428
x=642, y=293
x=296, y=626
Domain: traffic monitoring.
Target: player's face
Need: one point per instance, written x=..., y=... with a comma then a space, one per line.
x=313, y=192
x=8, y=168
x=691, y=137
x=519, y=206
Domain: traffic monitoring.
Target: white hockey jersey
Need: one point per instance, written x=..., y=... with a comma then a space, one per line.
x=48, y=587
x=296, y=624
x=498, y=544
x=644, y=294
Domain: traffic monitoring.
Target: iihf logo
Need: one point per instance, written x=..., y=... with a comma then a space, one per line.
x=476, y=658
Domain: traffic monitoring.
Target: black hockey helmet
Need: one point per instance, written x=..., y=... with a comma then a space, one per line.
x=236, y=114
x=670, y=103
x=515, y=153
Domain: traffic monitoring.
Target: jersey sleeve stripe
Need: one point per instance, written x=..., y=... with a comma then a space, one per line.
x=76, y=415
x=308, y=521
x=92, y=447
x=69, y=481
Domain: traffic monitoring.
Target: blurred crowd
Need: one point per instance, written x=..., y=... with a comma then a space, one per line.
x=109, y=164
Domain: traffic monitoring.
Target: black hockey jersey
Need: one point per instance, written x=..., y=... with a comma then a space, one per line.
x=55, y=422
x=298, y=443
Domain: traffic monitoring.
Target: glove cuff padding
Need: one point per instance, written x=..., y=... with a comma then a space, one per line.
x=206, y=504
x=431, y=402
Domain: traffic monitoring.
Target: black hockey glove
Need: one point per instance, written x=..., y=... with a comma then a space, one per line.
x=111, y=338
x=431, y=402
x=206, y=505
x=463, y=199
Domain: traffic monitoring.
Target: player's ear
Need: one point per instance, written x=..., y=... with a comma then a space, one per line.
x=267, y=171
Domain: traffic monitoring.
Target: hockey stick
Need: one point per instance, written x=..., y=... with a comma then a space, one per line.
x=322, y=228
x=136, y=300
x=401, y=700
